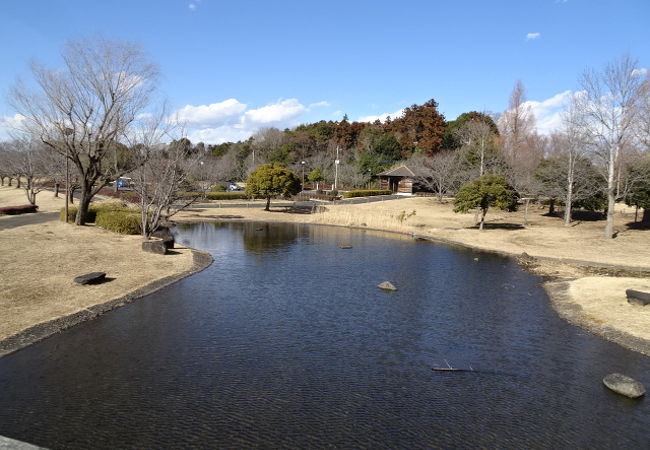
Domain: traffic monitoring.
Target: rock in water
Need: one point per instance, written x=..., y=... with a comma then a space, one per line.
x=624, y=385
x=345, y=246
x=91, y=278
x=387, y=286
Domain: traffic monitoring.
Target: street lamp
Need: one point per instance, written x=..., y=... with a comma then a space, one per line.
x=303, y=175
x=67, y=132
x=336, y=168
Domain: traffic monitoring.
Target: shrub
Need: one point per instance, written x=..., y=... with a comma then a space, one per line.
x=21, y=209
x=93, y=210
x=218, y=188
x=123, y=222
x=366, y=193
x=72, y=214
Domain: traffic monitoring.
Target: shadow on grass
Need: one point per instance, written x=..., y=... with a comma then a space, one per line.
x=638, y=226
x=499, y=226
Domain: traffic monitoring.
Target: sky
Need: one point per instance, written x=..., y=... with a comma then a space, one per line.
x=229, y=68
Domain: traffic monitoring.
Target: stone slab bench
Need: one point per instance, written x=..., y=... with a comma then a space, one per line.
x=637, y=297
x=91, y=278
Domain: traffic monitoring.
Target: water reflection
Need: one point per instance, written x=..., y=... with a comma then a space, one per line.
x=285, y=341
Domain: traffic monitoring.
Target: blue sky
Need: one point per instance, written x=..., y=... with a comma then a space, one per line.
x=232, y=67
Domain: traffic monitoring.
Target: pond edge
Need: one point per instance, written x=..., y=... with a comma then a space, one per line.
x=200, y=261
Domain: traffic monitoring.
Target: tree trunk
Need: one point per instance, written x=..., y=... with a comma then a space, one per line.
x=645, y=219
x=9, y=182
x=611, y=191
x=71, y=193
x=483, y=213
x=82, y=209
x=18, y=182
x=526, y=212
x=551, y=207
x=268, y=204
x=56, y=189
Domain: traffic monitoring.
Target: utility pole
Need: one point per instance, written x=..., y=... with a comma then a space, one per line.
x=336, y=168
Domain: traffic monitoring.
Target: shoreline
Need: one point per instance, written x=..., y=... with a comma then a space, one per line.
x=546, y=268
x=11, y=344
x=436, y=225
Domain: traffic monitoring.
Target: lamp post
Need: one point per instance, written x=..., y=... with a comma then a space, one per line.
x=336, y=168
x=302, y=163
x=67, y=132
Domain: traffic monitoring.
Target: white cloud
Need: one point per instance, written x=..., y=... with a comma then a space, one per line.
x=210, y=115
x=548, y=113
x=639, y=72
x=319, y=104
x=10, y=124
x=192, y=6
x=231, y=121
x=530, y=36
x=275, y=113
x=382, y=117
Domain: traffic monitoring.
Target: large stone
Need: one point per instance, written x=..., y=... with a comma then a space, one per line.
x=387, y=286
x=166, y=235
x=624, y=385
x=154, y=246
x=91, y=278
x=637, y=297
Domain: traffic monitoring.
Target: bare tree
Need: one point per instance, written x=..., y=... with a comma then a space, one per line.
x=479, y=135
x=609, y=106
x=516, y=123
x=438, y=173
x=88, y=107
x=30, y=165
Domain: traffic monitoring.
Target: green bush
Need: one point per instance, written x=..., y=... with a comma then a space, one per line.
x=218, y=188
x=93, y=210
x=366, y=193
x=119, y=221
x=72, y=214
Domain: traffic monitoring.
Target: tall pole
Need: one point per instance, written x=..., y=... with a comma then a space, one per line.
x=67, y=184
x=67, y=132
x=303, y=175
x=336, y=168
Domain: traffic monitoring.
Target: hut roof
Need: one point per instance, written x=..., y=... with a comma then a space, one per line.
x=401, y=171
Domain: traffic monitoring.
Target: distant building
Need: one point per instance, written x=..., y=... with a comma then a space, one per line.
x=400, y=180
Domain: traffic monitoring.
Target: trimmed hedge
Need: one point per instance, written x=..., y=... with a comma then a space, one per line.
x=93, y=210
x=366, y=193
x=21, y=209
x=123, y=222
x=215, y=195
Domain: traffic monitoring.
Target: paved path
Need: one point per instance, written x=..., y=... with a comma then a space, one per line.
x=7, y=222
x=302, y=203
x=11, y=444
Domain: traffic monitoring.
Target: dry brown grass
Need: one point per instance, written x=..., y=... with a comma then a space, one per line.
x=39, y=262
x=603, y=300
x=543, y=236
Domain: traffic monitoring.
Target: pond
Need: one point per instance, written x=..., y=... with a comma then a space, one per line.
x=286, y=342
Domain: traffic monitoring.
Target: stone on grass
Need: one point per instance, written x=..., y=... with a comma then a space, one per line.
x=91, y=278
x=387, y=286
x=158, y=247
x=637, y=297
x=166, y=235
x=624, y=385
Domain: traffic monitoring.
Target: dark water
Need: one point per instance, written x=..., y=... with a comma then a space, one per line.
x=285, y=342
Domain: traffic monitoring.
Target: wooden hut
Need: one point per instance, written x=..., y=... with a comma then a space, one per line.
x=400, y=180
